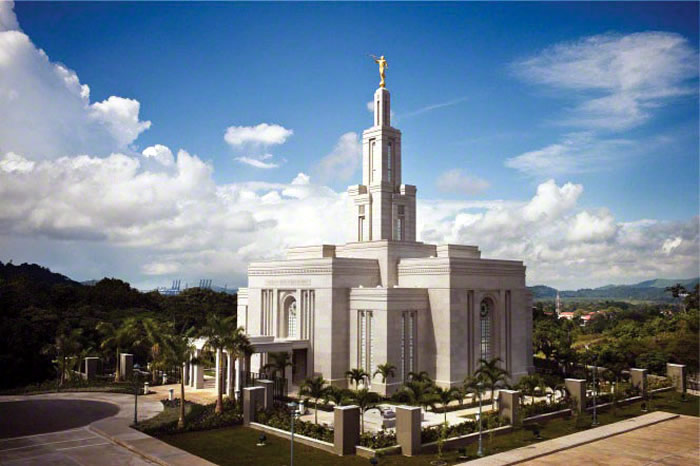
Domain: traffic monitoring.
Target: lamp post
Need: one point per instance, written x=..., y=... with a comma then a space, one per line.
x=293, y=408
x=480, y=451
x=137, y=372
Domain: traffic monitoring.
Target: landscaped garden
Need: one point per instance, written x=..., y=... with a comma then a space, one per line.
x=237, y=445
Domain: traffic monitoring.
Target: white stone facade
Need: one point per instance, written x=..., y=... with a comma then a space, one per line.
x=384, y=297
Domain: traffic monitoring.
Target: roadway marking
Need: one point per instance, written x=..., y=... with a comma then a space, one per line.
x=47, y=443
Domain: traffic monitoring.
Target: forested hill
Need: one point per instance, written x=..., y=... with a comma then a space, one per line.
x=36, y=305
x=649, y=290
x=32, y=272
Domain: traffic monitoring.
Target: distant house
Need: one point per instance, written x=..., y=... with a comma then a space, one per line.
x=566, y=315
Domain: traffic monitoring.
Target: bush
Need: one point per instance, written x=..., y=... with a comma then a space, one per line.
x=375, y=440
x=542, y=407
x=655, y=383
x=432, y=433
x=75, y=384
x=197, y=417
x=279, y=418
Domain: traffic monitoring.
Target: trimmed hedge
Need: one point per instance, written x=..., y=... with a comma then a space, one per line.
x=381, y=439
x=432, y=433
x=542, y=407
x=197, y=417
x=279, y=418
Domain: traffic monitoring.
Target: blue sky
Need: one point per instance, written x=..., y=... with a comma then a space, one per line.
x=496, y=94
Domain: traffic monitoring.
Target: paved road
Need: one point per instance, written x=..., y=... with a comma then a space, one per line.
x=55, y=429
x=30, y=417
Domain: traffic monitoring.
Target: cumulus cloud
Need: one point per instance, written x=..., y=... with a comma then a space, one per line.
x=263, y=133
x=343, y=161
x=50, y=95
x=254, y=141
x=162, y=154
x=619, y=79
x=454, y=181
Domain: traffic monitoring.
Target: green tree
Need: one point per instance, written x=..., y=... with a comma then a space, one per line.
x=337, y=395
x=417, y=393
x=118, y=338
x=277, y=363
x=386, y=370
x=314, y=387
x=219, y=333
x=357, y=376
x=365, y=400
x=66, y=346
x=493, y=376
x=529, y=384
x=443, y=396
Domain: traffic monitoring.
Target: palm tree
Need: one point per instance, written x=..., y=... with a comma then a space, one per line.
x=219, y=332
x=66, y=345
x=386, y=370
x=357, y=376
x=421, y=376
x=529, y=384
x=314, y=387
x=118, y=338
x=365, y=400
x=177, y=350
x=278, y=362
x=418, y=392
x=443, y=396
x=238, y=345
x=493, y=376
x=337, y=395
x=474, y=386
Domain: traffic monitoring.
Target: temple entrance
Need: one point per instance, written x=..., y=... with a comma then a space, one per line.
x=299, y=373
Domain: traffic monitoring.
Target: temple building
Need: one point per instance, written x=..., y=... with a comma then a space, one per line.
x=384, y=297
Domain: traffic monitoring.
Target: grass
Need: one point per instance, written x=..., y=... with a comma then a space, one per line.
x=237, y=445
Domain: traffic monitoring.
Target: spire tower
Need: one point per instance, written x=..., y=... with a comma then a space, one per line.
x=383, y=208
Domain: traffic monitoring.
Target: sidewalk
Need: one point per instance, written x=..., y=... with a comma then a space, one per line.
x=538, y=450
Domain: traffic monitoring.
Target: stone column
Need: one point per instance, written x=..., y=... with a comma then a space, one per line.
x=408, y=429
x=509, y=405
x=577, y=390
x=346, y=433
x=91, y=365
x=269, y=386
x=677, y=374
x=198, y=375
x=252, y=400
x=638, y=378
x=217, y=373
x=126, y=366
x=229, y=375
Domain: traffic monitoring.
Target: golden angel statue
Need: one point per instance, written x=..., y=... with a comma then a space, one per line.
x=383, y=65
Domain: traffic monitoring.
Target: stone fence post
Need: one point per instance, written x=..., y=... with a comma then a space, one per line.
x=638, y=378
x=677, y=374
x=253, y=398
x=346, y=429
x=126, y=366
x=577, y=390
x=408, y=429
x=509, y=405
x=268, y=385
x=91, y=367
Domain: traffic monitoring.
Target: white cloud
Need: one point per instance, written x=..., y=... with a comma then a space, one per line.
x=574, y=153
x=455, y=181
x=671, y=244
x=257, y=163
x=160, y=153
x=343, y=161
x=589, y=227
x=51, y=97
x=263, y=134
x=634, y=73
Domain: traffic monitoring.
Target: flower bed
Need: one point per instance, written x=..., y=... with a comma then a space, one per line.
x=490, y=421
x=279, y=418
x=542, y=407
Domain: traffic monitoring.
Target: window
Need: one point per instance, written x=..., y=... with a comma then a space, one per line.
x=372, y=146
x=388, y=162
x=360, y=227
x=376, y=114
x=291, y=312
x=485, y=313
x=403, y=347
x=365, y=343
x=408, y=336
x=399, y=223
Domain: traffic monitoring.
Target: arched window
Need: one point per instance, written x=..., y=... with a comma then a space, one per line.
x=291, y=314
x=485, y=314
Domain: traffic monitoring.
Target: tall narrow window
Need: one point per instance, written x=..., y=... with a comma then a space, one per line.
x=389, y=162
x=485, y=314
x=411, y=331
x=292, y=320
x=399, y=223
x=403, y=346
x=372, y=147
x=371, y=368
x=376, y=114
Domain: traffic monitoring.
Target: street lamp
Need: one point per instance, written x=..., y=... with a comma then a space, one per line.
x=293, y=408
x=137, y=372
x=480, y=451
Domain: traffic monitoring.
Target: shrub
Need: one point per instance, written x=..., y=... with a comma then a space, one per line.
x=375, y=440
x=432, y=433
x=198, y=417
x=280, y=418
x=542, y=407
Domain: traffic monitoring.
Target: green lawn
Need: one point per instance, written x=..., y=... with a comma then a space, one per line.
x=236, y=445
